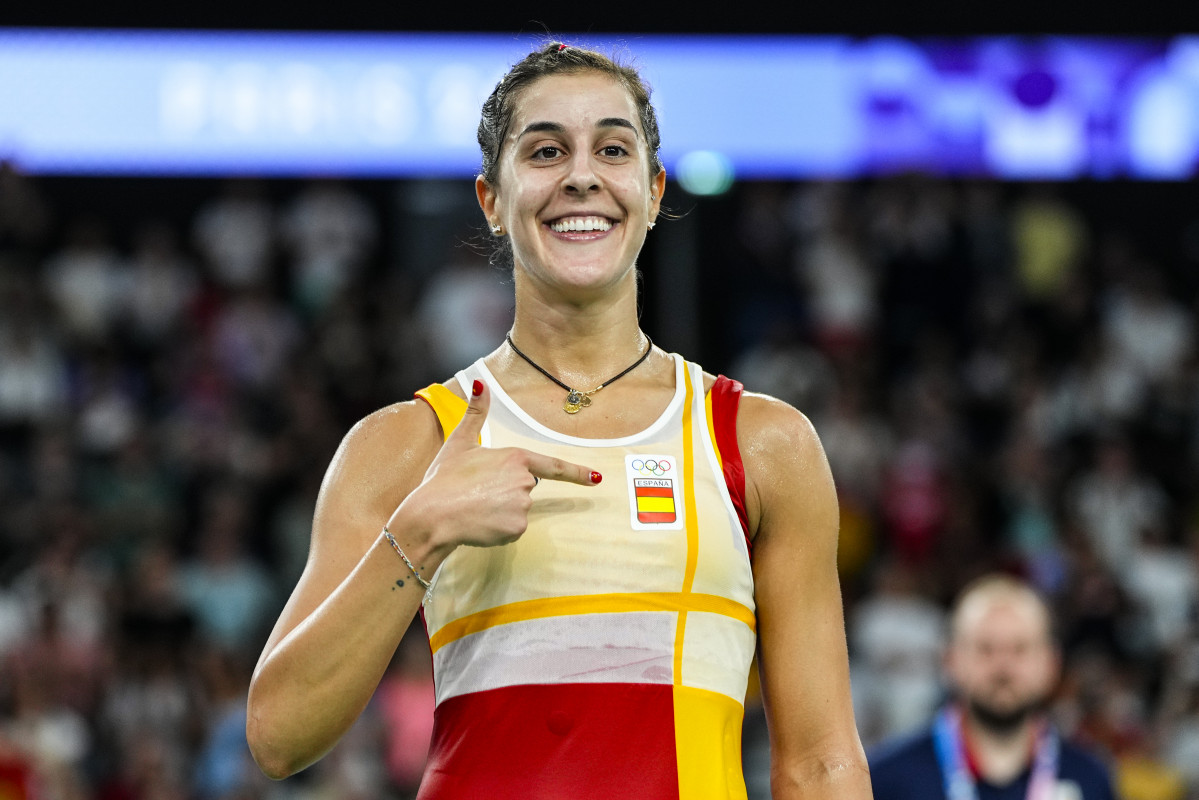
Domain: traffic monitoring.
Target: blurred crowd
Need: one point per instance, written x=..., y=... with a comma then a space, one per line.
x=1005, y=378
x=1001, y=379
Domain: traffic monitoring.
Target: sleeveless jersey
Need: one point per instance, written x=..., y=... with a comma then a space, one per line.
x=605, y=654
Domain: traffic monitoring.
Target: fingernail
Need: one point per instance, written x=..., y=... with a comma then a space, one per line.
x=596, y=477
x=477, y=389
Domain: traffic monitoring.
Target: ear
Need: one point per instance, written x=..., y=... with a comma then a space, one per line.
x=487, y=198
x=657, y=187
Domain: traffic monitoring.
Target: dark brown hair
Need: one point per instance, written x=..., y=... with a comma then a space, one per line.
x=557, y=58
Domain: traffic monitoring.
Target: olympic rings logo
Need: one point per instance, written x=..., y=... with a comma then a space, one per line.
x=651, y=467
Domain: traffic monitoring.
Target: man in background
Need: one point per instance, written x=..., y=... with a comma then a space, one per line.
x=994, y=740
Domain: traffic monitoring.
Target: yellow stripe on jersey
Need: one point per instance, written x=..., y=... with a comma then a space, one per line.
x=707, y=729
x=589, y=604
x=712, y=430
x=690, y=520
x=449, y=407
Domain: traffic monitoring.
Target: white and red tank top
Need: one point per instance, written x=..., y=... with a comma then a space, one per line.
x=605, y=653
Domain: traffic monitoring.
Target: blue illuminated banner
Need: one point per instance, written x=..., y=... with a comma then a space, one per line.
x=122, y=102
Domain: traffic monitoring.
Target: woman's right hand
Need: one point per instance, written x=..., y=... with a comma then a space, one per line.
x=478, y=495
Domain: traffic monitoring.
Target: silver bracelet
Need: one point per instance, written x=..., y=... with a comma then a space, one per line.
x=396, y=546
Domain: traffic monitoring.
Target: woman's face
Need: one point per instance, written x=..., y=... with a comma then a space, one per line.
x=574, y=190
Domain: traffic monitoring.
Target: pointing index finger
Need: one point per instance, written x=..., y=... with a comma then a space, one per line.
x=555, y=469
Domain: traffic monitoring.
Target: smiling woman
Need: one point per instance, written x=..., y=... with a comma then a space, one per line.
x=593, y=638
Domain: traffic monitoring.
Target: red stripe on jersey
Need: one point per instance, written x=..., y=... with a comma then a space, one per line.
x=548, y=742
x=655, y=516
x=726, y=395
x=653, y=491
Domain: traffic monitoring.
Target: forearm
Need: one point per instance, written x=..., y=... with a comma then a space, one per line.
x=828, y=778
x=312, y=685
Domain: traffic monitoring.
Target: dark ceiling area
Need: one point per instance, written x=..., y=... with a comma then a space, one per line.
x=856, y=17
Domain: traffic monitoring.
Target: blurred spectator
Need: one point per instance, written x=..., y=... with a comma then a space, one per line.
x=330, y=233
x=857, y=441
x=34, y=381
x=253, y=337
x=1031, y=532
x=1115, y=503
x=1162, y=580
x=465, y=310
x=897, y=636
x=64, y=581
x=405, y=701
x=224, y=768
x=52, y=680
x=1096, y=390
x=1093, y=604
x=163, y=283
x=1050, y=238
x=235, y=233
x=108, y=401
x=51, y=666
x=783, y=366
x=1146, y=327
x=86, y=280
x=841, y=281
x=914, y=501
x=135, y=499
x=149, y=699
x=227, y=591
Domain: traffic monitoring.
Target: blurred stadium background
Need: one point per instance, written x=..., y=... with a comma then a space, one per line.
x=973, y=260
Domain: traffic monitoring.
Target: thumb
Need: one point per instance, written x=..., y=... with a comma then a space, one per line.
x=467, y=432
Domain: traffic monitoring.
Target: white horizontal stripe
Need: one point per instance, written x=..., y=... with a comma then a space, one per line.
x=717, y=652
x=636, y=647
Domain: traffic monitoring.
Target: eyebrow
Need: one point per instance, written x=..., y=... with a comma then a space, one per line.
x=556, y=127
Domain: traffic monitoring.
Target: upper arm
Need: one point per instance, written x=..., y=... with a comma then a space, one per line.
x=379, y=462
x=802, y=651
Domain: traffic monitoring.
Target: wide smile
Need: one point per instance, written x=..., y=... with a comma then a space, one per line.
x=583, y=227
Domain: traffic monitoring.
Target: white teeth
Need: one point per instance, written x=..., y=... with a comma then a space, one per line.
x=581, y=224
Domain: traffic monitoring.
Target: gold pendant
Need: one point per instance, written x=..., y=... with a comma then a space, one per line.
x=575, y=400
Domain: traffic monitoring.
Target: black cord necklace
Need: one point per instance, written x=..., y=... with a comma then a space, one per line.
x=575, y=399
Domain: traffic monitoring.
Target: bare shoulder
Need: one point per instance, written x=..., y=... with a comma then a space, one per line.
x=390, y=437
x=785, y=464
x=766, y=424
x=393, y=435
x=381, y=459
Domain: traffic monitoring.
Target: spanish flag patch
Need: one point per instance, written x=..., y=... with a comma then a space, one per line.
x=655, y=499
x=654, y=491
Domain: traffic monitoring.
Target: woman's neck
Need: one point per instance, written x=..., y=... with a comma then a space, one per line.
x=580, y=344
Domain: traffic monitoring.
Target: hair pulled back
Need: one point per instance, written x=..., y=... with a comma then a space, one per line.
x=557, y=58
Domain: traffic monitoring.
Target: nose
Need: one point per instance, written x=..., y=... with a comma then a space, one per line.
x=581, y=177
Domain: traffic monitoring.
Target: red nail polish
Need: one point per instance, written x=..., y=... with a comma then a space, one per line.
x=477, y=389
x=596, y=477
